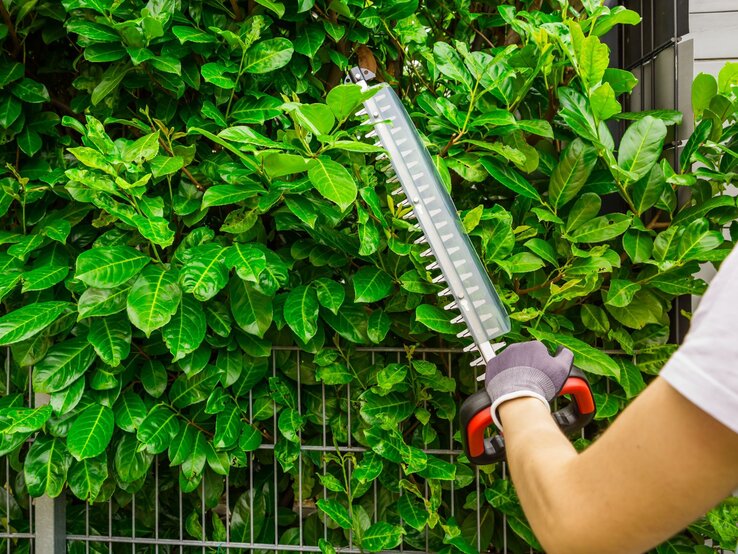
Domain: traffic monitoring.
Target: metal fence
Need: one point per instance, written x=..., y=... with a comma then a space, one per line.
x=161, y=518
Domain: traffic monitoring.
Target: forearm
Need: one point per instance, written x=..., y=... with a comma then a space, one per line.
x=539, y=457
x=661, y=465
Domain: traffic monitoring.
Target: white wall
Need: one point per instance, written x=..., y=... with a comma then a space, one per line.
x=714, y=28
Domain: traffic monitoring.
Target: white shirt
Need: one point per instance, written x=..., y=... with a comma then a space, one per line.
x=705, y=368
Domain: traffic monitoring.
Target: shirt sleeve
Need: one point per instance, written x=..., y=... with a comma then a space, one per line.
x=705, y=368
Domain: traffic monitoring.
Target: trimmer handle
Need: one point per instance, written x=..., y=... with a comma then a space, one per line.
x=476, y=417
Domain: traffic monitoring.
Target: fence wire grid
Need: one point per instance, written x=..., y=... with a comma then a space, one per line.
x=240, y=512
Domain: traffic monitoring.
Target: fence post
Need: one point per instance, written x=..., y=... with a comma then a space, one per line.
x=50, y=515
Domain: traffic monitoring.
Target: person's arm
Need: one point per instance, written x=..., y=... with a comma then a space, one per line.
x=662, y=464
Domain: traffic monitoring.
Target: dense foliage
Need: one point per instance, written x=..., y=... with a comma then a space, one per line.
x=195, y=241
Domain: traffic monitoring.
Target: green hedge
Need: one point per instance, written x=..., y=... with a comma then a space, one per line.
x=186, y=196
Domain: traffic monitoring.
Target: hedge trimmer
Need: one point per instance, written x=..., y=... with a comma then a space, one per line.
x=451, y=251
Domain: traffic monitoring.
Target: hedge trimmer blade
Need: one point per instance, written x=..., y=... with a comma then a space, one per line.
x=461, y=269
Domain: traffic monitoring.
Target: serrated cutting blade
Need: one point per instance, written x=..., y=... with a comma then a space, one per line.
x=461, y=269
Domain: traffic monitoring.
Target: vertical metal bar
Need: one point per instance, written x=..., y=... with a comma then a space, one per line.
x=181, y=517
x=156, y=503
x=202, y=512
x=251, y=476
x=323, y=453
x=110, y=525
x=299, y=452
x=87, y=526
x=399, y=471
x=348, y=440
x=451, y=446
x=228, y=501
x=274, y=459
x=133, y=523
x=50, y=512
x=7, y=462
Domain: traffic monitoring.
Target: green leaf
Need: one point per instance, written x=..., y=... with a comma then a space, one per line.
x=641, y=146
x=31, y=91
x=621, y=292
x=10, y=110
x=601, y=229
x=604, y=104
x=593, y=59
x=638, y=246
x=129, y=411
x=728, y=77
x=204, y=274
x=268, y=55
x=44, y=277
x=251, y=309
x=412, y=513
x=704, y=88
x=586, y=357
x=227, y=427
x=449, y=62
x=371, y=284
x=377, y=326
x=330, y=294
x=25, y=322
x=186, y=330
x=382, y=536
x=336, y=511
x=344, y=99
x=143, y=149
x=510, y=178
x=46, y=465
x=571, y=173
x=309, y=41
x=524, y=262
x=111, y=338
x=153, y=299
x=109, y=267
x=332, y=181
x=109, y=82
x=131, y=464
x=645, y=308
x=698, y=239
x=696, y=139
x=63, y=364
x=102, y=302
x=90, y=432
x=391, y=409
x=86, y=477
x=436, y=319
x=23, y=420
x=290, y=424
x=301, y=312
x=584, y=209
x=248, y=260
x=621, y=81
x=647, y=191
x=225, y=195
x=158, y=429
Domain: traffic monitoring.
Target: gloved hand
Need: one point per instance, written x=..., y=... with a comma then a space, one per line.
x=526, y=369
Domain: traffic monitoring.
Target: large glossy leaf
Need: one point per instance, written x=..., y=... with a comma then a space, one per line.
x=333, y=181
x=382, y=536
x=336, y=511
x=65, y=363
x=109, y=267
x=371, y=284
x=186, y=331
x=46, y=465
x=251, y=309
x=248, y=260
x=204, y=274
x=436, y=319
x=153, y=299
x=571, y=173
x=129, y=411
x=28, y=320
x=223, y=195
x=641, y=146
x=510, y=178
x=586, y=357
x=102, y=302
x=268, y=55
x=228, y=426
x=86, y=477
x=601, y=229
x=158, y=429
x=301, y=312
x=131, y=462
x=90, y=432
x=111, y=338
x=23, y=420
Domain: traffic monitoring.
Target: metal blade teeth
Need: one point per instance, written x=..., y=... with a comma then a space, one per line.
x=452, y=306
x=393, y=179
x=479, y=361
x=439, y=279
x=403, y=203
x=421, y=240
x=371, y=134
x=457, y=319
x=464, y=334
x=471, y=348
x=416, y=227
x=432, y=266
x=381, y=157
x=409, y=215
x=361, y=113
x=397, y=191
x=426, y=253
x=445, y=292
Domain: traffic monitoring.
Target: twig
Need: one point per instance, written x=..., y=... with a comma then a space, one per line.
x=186, y=171
x=237, y=14
x=541, y=286
x=11, y=29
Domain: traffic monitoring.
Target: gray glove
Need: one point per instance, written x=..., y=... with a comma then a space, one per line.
x=526, y=369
